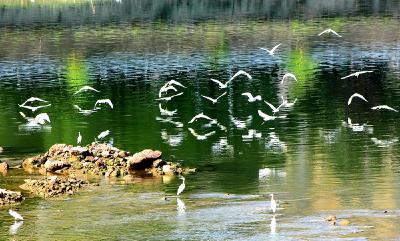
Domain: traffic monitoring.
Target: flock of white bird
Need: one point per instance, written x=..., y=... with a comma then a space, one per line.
x=176, y=87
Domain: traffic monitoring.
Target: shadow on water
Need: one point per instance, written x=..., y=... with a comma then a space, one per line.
x=321, y=157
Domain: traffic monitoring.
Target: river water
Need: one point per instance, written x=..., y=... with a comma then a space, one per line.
x=312, y=158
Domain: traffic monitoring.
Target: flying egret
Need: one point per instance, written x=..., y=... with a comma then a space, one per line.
x=251, y=98
x=201, y=116
x=201, y=137
x=271, y=52
x=165, y=89
x=240, y=72
x=79, y=139
x=103, y=134
x=356, y=95
x=34, y=108
x=168, y=98
x=169, y=120
x=214, y=101
x=273, y=203
x=86, y=88
x=356, y=74
x=165, y=111
x=385, y=107
x=288, y=75
x=16, y=215
x=84, y=112
x=33, y=99
x=288, y=104
x=265, y=116
x=181, y=187
x=275, y=109
x=225, y=85
x=104, y=101
x=329, y=31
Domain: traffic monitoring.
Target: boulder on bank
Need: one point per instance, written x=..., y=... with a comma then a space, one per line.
x=10, y=197
x=103, y=159
x=54, y=186
x=4, y=167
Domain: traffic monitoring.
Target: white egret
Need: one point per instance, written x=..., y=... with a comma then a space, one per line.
x=34, y=108
x=103, y=134
x=288, y=104
x=40, y=119
x=86, y=88
x=225, y=85
x=201, y=137
x=273, y=203
x=33, y=99
x=79, y=139
x=201, y=116
x=265, y=117
x=16, y=215
x=329, y=31
x=275, y=109
x=356, y=74
x=288, y=75
x=214, y=101
x=383, y=107
x=240, y=72
x=272, y=51
x=181, y=187
x=174, y=82
x=356, y=95
x=251, y=98
x=165, y=111
x=104, y=101
x=165, y=89
x=168, y=98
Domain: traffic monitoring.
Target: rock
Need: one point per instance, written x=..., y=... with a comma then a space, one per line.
x=79, y=151
x=344, y=222
x=159, y=163
x=105, y=153
x=58, y=149
x=34, y=162
x=167, y=170
x=4, y=167
x=10, y=197
x=143, y=159
x=53, y=166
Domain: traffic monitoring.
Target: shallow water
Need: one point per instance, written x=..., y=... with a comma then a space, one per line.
x=312, y=160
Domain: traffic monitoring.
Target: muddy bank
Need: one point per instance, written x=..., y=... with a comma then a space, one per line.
x=102, y=159
x=10, y=197
x=54, y=186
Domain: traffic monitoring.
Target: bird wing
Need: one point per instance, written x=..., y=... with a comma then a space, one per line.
x=32, y=99
x=103, y=134
x=174, y=82
x=287, y=75
x=356, y=95
x=240, y=72
x=209, y=134
x=221, y=85
x=42, y=117
x=85, y=88
x=165, y=88
x=384, y=107
x=220, y=96
x=274, y=48
x=332, y=31
x=248, y=94
x=325, y=31
x=193, y=132
x=271, y=106
x=266, y=50
x=209, y=98
x=263, y=115
x=104, y=101
x=348, y=76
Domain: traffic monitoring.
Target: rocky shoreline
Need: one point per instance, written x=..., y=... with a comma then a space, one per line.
x=66, y=162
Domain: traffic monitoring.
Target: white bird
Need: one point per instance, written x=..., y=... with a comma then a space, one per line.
x=39, y=119
x=221, y=85
x=356, y=74
x=14, y=227
x=214, y=101
x=84, y=112
x=34, y=108
x=265, y=116
x=201, y=137
x=33, y=99
x=379, y=107
x=169, y=120
x=356, y=95
x=165, y=111
x=16, y=215
x=329, y=31
x=240, y=72
x=104, y=101
x=86, y=88
x=273, y=203
x=79, y=139
x=174, y=82
x=103, y=134
x=201, y=116
x=166, y=89
x=251, y=98
x=275, y=109
x=168, y=98
x=288, y=75
x=271, y=52
x=181, y=187
x=288, y=104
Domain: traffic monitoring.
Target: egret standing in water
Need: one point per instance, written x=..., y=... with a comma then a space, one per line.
x=273, y=203
x=79, y=139
x=16, y=215
x=181, y=187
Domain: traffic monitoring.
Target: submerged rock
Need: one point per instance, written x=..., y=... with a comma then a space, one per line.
x=9, y=197
x=54, y=186
x=102, y=159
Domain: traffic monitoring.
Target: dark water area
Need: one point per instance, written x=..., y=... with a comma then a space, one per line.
x=321, y=157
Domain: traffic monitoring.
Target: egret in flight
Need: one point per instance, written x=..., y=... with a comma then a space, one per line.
x=104, y=101
x=165, y=111
x=181, y=187
x=214, y=101
x=34, y=108
x=201, y=137
x=288, y=75
x=168, y=98
x=33, y=99
x=356, y=95
x=329, y=31
x=356, y=74
x=383, y=107
x=275, y=109
x=251, y=98
x=272, y=51
x=225, y=85
x=86, y=88
x=201, y=116
x=266, y=117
